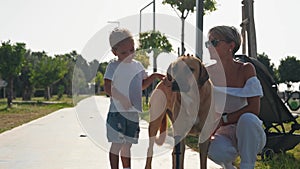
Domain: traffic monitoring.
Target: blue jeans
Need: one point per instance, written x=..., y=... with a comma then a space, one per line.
x=122, y=127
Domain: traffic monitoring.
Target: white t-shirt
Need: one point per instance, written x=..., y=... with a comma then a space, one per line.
x=127, y=78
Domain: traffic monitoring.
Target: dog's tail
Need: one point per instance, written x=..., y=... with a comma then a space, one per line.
x=162, y=132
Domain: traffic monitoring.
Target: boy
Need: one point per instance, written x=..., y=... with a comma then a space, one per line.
x=124, y=81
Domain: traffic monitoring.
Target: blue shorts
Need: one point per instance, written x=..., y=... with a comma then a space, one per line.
x=122, y=127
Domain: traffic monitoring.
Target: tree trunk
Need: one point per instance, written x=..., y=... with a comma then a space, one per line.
x=27, y=92
x=47, y=93
x=69, y=89
x=10, y=92
x=154, y=64
x=182, y=36
x=155, y=55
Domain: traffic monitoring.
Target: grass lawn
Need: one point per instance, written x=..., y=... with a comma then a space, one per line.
x=23, y=112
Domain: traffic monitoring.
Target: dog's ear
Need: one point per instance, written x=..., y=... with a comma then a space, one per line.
x=169, y=73
x=203, y=74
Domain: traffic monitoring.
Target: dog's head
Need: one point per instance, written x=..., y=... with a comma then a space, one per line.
x=185, y=71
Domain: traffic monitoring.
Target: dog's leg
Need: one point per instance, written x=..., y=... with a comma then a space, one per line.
x=203, y=148
x=152, y=131
x=178, y=153
x=157, y=110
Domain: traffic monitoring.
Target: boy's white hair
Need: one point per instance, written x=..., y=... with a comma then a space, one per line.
x=118, y=35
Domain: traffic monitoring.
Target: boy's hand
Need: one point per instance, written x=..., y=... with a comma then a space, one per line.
x=159, y=76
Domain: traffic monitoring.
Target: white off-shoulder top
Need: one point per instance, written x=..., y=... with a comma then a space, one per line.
x=230, y=99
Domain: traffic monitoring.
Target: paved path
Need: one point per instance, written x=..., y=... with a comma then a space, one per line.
x=57, y=141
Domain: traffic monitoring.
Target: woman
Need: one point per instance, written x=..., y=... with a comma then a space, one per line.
x=240, y=131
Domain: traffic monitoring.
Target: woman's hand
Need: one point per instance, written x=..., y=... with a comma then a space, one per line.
x=218, y=126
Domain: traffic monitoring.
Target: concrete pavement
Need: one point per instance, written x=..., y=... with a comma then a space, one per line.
x=75, y=138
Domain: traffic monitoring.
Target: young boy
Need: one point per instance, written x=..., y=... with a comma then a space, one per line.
x=124, y=81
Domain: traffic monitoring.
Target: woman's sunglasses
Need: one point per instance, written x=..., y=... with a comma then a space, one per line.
x=213, y=43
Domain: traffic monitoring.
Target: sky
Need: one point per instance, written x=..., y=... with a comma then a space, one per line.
x=61, y=26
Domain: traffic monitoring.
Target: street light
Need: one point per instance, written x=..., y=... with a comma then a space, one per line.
x=153, y=2
x=114, y=22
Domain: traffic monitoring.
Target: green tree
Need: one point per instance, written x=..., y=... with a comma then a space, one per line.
x=185, y=7
x=82, y=64
x=11, y=60
x=99, y=82
x=60, y=91
x=48, y=71
x=289, y=70
x=102, y=67
x=143, y=58
x=156, y=42
x=79, y=82
x=93, y=66
x=67, y=80
x=27, y=86
x=264, y=59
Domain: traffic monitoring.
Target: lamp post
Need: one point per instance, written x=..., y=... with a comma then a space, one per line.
x=153, y=2
x=199, y=29
x=114, y=22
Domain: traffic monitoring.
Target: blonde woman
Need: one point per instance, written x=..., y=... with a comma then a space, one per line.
x=240, y=130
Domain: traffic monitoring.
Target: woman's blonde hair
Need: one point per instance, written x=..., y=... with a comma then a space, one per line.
x=229, y=33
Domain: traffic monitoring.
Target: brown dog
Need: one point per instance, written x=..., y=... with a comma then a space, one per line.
x=185, y=96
